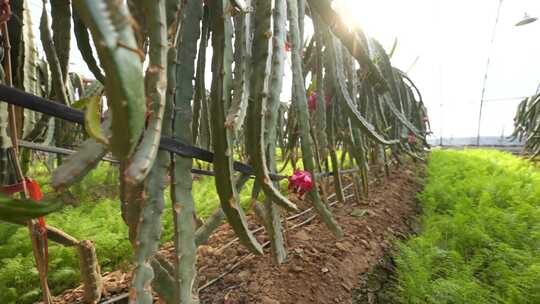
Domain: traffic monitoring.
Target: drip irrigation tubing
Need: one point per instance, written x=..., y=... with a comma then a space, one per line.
x=42, y=105
x=32, y=102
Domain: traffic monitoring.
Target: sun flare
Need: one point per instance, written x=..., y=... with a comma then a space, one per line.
x=369, y=15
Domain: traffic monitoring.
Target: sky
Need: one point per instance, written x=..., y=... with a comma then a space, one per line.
x=444, y=45
x=452, y=42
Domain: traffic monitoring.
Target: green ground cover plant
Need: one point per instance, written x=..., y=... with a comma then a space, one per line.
x=97, y=218
x=480, y=241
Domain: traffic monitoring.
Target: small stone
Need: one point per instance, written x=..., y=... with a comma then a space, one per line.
x=296, y=268
x=302, y=236
x=366, y=244
x=359, y=212
x=244, y=275
x=342, y=246
x=324, y=270
x=206, y=250
x=268, y=300
x=346, y=287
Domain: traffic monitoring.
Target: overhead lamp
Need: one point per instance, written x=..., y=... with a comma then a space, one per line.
x=526, y=20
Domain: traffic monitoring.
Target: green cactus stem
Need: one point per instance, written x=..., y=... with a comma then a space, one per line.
x=156, y=85
x=222, y=138
x=330, y=123
x=392, y=99
x=242, y=67
x=319, y=116
x=90, y=272
x=141, y=22
x=112, y=32
x=79, y=164
x=258, y=104
x=274, y=229
x=52, y=58
x=83, y=43
x=148, y=230
x=29, y=62
x=61, y=27
x=347, y=102
x=183, y=206
x=163, y=282
x=300, y=102
x=203, y=232
x=200, y=111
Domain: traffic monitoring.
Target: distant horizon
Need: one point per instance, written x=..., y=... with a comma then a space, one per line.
x=471, y=140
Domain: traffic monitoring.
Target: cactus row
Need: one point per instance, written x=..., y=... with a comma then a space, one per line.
x=369, y=114
x=526, y=126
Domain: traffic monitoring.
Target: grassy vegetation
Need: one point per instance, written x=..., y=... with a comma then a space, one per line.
x=97, y=218
x=481, y=232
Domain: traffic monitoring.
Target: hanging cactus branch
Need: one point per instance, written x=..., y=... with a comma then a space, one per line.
x=157, y=121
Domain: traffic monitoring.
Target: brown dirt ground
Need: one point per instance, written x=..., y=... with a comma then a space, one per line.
x=319, y=268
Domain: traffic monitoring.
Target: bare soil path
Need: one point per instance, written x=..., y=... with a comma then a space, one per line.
x=319, y=268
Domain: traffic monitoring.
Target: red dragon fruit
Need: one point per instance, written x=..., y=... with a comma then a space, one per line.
x=300, y=182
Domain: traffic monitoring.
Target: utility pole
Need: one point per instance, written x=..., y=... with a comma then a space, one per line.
x=487, y=71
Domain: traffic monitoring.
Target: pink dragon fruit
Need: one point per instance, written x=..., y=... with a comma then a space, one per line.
x=300, y=182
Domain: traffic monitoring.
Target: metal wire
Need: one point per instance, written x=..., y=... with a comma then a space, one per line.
x=487, y=71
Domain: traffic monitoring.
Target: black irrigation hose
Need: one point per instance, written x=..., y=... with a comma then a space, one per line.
x=64, y=151
x=39, y=104
x=35, y=103
x=56, y=150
